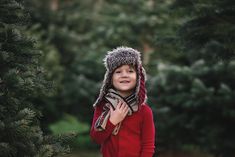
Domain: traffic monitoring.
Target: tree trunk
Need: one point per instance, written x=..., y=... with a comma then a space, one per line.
x=54, y=5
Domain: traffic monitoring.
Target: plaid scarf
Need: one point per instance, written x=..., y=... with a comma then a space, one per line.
x=112, y=98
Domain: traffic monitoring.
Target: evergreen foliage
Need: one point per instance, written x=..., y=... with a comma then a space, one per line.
x=74, y=64
x=80, y=33
x=198, y=99
x=191, y=91
x=22, y=80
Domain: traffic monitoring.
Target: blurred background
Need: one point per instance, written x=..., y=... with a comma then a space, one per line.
x=188, y=51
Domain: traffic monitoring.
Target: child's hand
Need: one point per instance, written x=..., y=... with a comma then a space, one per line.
x=119, y=113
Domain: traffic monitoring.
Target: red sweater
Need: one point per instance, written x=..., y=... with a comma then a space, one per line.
x=134, y=139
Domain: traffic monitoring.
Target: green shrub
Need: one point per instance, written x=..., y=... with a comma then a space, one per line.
x=69, y=123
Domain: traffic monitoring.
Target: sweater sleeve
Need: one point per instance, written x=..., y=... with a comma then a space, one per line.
x=147, y=133
x=100, y=136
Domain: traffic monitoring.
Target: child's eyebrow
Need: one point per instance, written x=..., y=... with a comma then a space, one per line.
x=131, y=66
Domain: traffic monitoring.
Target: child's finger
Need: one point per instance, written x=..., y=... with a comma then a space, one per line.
x=119, y=104
x=126, y=109
x=124, y=106
x=126, y=112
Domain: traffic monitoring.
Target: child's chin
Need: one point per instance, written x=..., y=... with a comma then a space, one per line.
x=125, y=89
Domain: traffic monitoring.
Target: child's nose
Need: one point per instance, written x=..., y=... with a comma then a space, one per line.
x=124, y=74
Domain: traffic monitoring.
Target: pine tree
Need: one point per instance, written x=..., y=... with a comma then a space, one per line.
x=82, y=31
x=22, y=80
x=198, y=99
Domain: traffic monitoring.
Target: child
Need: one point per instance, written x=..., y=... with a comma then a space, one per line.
x=123, y=123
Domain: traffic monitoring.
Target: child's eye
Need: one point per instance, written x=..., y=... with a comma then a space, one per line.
x=117, y=72
x=131, y=71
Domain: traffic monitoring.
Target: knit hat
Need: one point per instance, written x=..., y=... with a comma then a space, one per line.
x=116, y=58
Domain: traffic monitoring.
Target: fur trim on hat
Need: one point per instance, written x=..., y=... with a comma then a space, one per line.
x=116, y=58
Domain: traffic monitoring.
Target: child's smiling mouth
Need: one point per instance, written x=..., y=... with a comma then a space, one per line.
x=124, y=81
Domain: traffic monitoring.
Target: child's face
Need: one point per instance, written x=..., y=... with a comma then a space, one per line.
x=124, y=79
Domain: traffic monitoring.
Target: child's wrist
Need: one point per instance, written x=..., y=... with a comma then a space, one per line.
x=113, y=121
